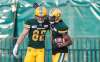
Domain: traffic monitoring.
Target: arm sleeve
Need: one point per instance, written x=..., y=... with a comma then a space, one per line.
x=63, y=28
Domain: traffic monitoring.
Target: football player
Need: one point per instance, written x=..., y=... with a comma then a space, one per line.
x=60, y=38
x=35, y=29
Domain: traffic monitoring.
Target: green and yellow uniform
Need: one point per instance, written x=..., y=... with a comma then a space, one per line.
x=58, y=28
x=35, y=50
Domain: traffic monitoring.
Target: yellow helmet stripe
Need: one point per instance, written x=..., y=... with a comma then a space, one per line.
x=41, y=11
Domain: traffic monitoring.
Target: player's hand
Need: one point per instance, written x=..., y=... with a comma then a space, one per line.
x=15, y=51
x=59, y=42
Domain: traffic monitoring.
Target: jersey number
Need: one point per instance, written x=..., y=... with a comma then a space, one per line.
x=38, y=35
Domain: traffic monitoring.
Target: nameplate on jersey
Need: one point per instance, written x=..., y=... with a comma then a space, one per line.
x=40, y=28
x=34, y=26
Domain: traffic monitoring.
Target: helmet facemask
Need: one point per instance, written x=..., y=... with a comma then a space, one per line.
x=40, y=19
x=56, y=13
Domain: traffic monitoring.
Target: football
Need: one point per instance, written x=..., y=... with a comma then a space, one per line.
x=63, y=41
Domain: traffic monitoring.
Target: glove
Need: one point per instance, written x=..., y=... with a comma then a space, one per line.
x=15, y=50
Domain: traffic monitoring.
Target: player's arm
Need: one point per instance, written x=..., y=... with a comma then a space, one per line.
x=20, y=40
x=22, y=36
x=65, y=39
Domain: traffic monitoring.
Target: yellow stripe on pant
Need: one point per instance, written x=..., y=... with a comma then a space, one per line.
x=60, y=57
x=34, y=55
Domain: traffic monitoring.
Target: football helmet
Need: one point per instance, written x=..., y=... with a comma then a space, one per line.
x=56, y=12
x=40, y=11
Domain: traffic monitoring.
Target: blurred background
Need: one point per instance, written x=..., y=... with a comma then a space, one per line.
x=81, y=16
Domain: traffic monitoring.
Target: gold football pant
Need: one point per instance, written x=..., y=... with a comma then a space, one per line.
x=34, y=55
x=60, y=57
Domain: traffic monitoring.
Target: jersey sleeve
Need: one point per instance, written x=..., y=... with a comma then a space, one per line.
x=63, y=28
x=60, y=27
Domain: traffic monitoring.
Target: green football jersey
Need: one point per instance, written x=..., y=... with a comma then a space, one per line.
x=37, y=32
